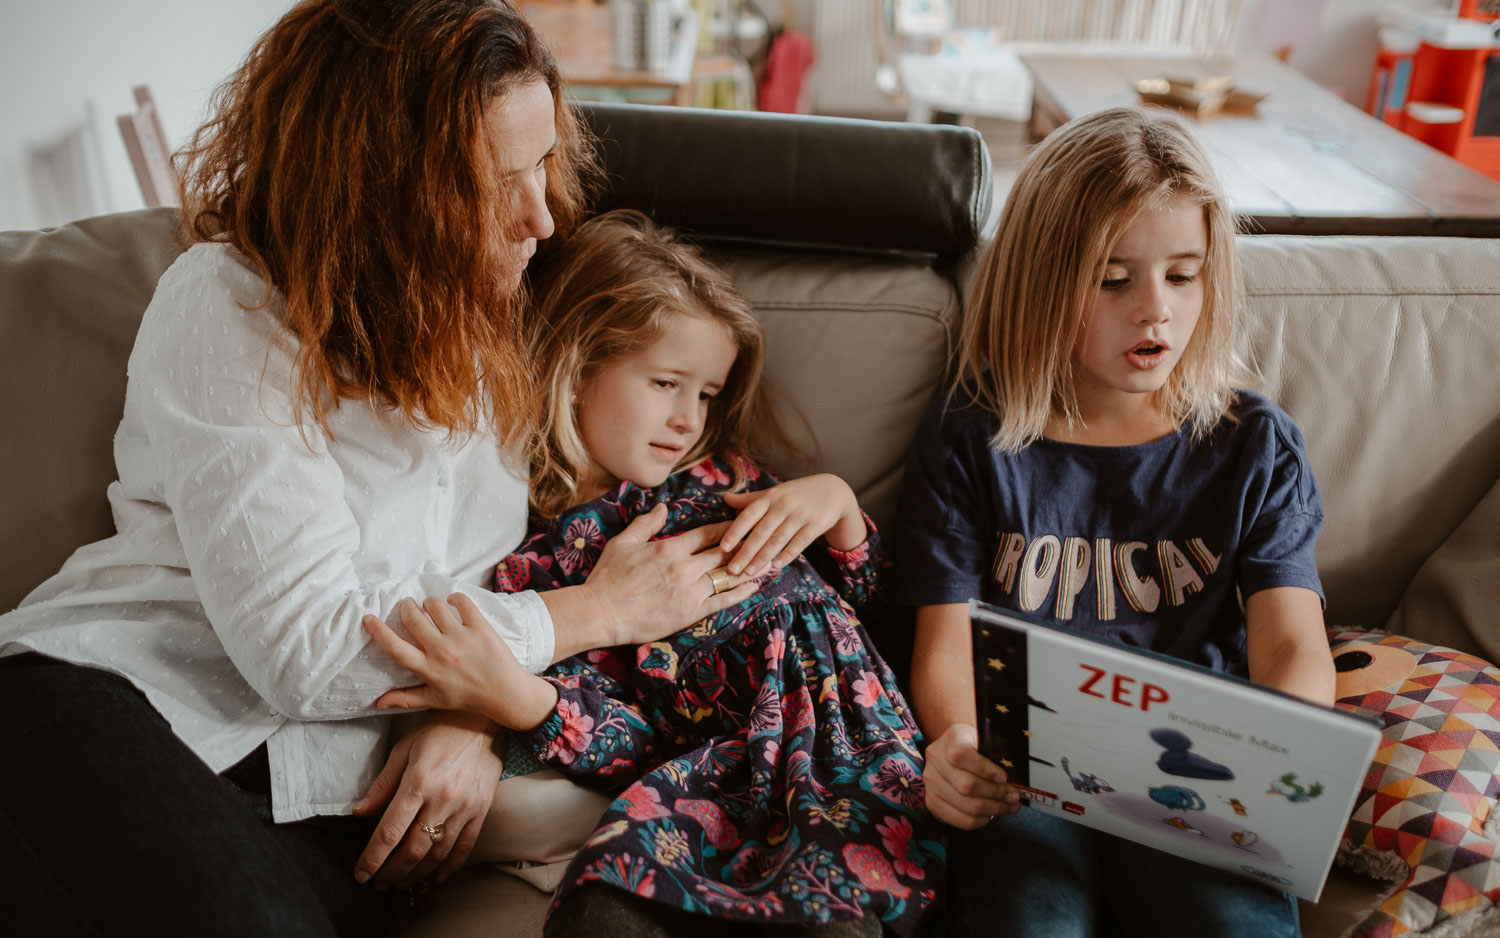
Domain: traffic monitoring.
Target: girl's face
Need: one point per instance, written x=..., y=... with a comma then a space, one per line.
x=1149, y=300
x=641, y=414
x=523, y=134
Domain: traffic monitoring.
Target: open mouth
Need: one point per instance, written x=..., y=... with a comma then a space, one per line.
x=1148, y=354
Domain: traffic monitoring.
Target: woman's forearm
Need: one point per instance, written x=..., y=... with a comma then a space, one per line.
x=581, y=620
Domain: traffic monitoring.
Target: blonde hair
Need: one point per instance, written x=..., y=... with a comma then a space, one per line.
x=1078, y=190
x=608, y=291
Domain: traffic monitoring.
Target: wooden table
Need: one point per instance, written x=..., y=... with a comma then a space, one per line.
x=1302, y=162
x=581, y=37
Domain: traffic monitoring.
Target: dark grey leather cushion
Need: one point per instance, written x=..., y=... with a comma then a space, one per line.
x=795, y=179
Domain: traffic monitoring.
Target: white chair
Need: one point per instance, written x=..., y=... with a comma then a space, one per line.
x=150, y=153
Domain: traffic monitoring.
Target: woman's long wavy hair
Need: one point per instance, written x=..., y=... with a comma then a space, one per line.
x=1036, y=284
x=609, y=291
x=348, y=163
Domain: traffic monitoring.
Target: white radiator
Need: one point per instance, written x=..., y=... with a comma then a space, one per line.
x=847, y=35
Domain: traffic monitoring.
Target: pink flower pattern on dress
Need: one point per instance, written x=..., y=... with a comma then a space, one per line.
x=896, y=835
x=845, y=634
x=873, y=870
x=775, y=645
x=718, y=828
x=754, y=865
x=766, y=715
x=900, y=783
x=797, y=711
x=768, y=769
x=709, y=473
x=513, y=573
x=643, y=803
x=574, y=736
x=867, y=690
x=582, y=542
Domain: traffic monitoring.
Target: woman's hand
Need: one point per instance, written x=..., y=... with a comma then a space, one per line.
x=465, y=664
x=641, y=590
x=443, y=773
x=777, y=524
x=964, y=788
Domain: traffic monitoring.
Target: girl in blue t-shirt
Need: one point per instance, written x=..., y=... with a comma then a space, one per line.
x=1094, y=465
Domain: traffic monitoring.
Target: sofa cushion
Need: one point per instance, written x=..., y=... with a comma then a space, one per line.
x=1422, y=814
x=1383, y=350
x=792, y=178
x=1455, y=596
x=856, y=348
x=73, y=299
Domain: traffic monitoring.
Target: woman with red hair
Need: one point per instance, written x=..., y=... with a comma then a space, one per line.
x=328, y=409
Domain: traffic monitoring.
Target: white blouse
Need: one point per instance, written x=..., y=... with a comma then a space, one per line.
x=233, y=592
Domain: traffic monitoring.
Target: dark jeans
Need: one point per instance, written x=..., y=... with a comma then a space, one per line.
x=1032, y=874
x=110, y=825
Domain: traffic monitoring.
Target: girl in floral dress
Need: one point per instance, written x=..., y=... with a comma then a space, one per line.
x=768, y=768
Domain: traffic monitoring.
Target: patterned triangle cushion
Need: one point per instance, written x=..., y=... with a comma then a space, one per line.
x=1422, y=811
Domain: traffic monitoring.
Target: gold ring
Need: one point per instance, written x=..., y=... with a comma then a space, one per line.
x=721, y=580
x=436, y=833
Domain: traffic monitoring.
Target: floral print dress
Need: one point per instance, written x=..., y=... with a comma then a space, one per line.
x=768, y=768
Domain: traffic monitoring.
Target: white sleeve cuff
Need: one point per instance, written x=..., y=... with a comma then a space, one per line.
x=540, y=637
x=522, y=621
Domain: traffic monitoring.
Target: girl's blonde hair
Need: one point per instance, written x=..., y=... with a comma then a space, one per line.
x=1077, y=192
x=608, y=291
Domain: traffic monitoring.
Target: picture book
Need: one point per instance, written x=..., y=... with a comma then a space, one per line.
x=1199, y=764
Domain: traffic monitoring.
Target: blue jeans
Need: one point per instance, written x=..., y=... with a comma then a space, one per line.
x=1033, y=874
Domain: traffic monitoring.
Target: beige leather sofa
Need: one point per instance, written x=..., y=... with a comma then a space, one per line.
x=852, y=241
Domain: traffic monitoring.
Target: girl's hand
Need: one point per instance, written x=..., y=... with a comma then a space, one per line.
x=777, y=524
x=642, y=589
x=465, y=664
x=964, y=788
x=445, y=773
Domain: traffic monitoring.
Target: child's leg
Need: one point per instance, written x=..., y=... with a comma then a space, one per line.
x=1023, y=875
x=1157, y=894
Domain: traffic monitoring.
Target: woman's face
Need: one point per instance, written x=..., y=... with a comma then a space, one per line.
x=522, y=133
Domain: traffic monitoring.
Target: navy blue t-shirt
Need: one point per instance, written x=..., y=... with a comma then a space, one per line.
x=1152, y=545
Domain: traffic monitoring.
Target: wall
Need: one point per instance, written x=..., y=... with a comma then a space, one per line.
x=67, y=67
x=1332, y=41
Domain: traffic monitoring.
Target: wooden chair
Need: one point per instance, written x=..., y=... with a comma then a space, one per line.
x=150, y=153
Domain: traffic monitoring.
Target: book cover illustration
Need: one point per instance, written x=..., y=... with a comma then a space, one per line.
x=1197, y=764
